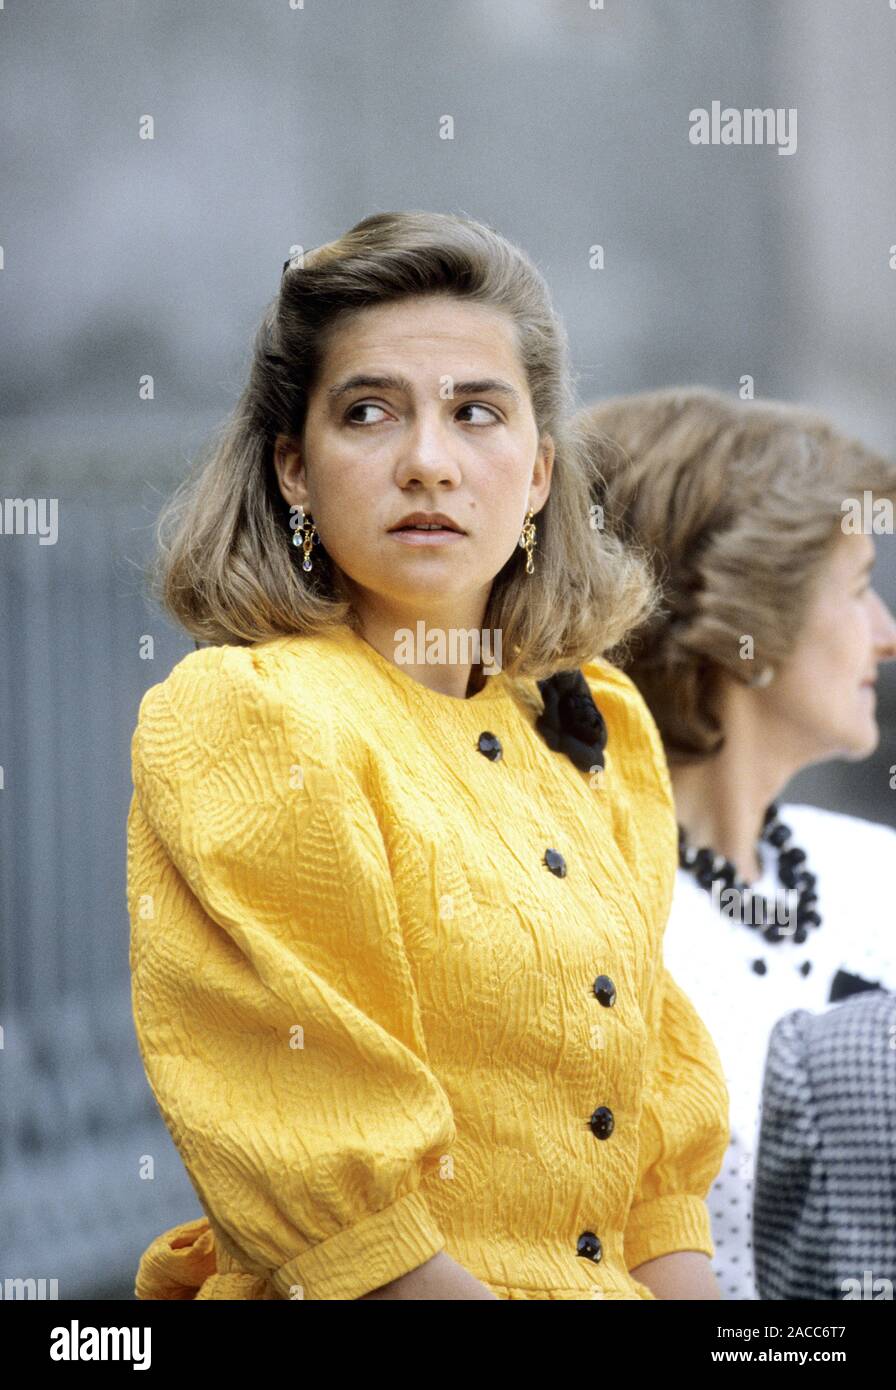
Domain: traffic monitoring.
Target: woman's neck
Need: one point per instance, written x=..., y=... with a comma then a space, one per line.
x=722, y=813
x=721, y=801
x=381, y=622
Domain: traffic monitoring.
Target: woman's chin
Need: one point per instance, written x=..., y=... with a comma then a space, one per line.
x=865, y=736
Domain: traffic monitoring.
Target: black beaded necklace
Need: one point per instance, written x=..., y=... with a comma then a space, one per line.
x=753, y=909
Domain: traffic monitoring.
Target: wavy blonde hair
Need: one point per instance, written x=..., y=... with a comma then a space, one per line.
x=225, y=567
x=738, y=503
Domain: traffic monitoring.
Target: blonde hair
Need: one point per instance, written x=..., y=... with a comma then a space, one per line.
x=738, y=503
x=225, y=566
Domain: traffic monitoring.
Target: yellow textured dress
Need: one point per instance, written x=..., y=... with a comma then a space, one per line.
x=377, y=1022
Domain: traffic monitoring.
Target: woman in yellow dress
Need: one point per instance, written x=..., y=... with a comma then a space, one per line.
x=401, y=847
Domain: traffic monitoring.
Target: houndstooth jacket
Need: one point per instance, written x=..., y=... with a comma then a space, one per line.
x=824, y=1214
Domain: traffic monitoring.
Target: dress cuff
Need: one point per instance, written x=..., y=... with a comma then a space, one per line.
x=666, y=1225
x=379, y=1248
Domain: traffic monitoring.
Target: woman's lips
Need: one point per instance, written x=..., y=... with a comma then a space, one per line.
x=440, y=537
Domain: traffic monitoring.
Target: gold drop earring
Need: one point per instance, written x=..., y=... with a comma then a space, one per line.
x=305, y=535
x=528, y=542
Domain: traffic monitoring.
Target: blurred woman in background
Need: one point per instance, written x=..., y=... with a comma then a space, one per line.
x=759, y=518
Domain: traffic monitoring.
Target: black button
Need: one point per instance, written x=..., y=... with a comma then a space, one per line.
x=605, y=991
x=490, y=746
x=589, y=1247
x=602, y=1122
x=805, y=967
x=555, y=862
x=760, y=967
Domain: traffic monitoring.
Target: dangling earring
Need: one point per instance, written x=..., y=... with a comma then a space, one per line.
x=763, y=678
x=306, y=537
x=528, y=542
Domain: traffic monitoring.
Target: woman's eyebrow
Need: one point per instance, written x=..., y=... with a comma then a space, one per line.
x=486, y=386
x=365, y=381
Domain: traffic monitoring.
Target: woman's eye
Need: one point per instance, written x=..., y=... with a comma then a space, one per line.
x=488, y=417
x=492, y=415
x=362, y=405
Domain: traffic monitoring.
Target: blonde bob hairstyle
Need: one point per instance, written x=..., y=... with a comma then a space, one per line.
x=737, y=503
x=225, y=566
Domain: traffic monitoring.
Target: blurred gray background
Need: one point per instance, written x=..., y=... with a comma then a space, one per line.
x=277, y=126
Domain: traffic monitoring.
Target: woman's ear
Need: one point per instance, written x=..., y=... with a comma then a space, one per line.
x=541, y=474
x=289, y=465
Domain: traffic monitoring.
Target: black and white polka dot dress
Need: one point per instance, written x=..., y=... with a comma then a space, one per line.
x=741, y=985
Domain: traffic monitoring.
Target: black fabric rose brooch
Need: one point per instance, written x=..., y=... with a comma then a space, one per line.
x=570, y=722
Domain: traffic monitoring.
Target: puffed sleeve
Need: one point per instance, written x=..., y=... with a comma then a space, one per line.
x=683, y=1132
x=274, y=1005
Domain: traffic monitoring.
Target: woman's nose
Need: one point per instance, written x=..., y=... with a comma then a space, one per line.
x=427, y=453
x=884, y=631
